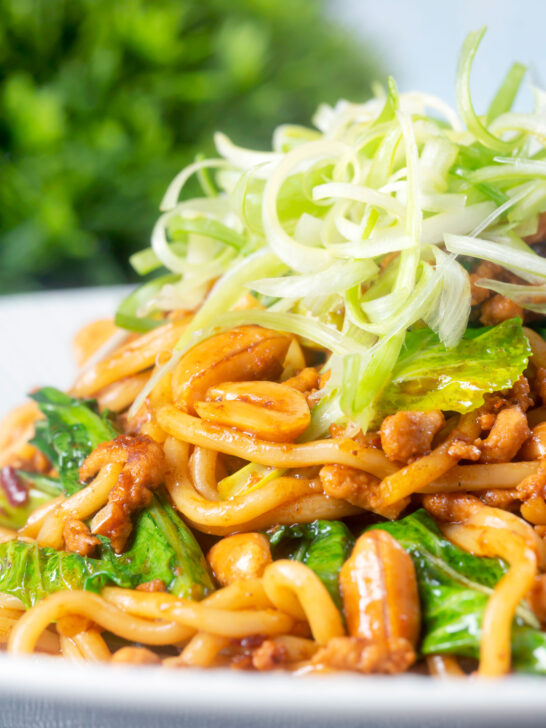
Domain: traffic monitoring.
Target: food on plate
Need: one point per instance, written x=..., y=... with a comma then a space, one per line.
x=317, y=442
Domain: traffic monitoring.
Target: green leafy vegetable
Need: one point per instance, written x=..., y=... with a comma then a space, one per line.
x=454, y=588
x=429, y=376
x=71, y=430
x=163, y=548
x=31, y=573
x=323, y=546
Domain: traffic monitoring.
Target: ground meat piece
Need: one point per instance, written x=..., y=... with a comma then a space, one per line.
x=393, y=656
x=408, y=435
x=307, y=382
x=77, y=537
x=504, y=498
x=534, y=448
x=484, y=270
x=241, y=662
x=506, y=437
x=486, y=421
x=540, y=384
x=498, y=309
x=135, y=656
x=533, y=485
x=464, y=450
x=358, y=488
x=268, y=655
x=451, y=507
x=143, y=470
x=520, y=394
x=156, y=585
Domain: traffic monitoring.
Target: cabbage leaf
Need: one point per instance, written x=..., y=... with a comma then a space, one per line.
x=429, y=376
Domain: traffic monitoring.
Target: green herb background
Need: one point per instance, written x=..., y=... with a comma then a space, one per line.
x=102, y=102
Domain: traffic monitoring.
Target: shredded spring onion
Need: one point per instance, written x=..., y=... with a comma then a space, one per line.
x=340, y=231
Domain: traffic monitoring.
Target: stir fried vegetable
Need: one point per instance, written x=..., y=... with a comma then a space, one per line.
x=429, y=376
x=70, y=431
x=163, y=548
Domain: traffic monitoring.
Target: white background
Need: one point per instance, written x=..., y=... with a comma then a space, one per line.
x=419, y=40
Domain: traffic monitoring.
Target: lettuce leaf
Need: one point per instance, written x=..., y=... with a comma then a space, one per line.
x=30, y=572
x=163, y=548
x=429, y=376
x=72, y=428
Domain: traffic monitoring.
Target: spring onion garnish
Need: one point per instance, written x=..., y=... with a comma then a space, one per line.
x=348, y=234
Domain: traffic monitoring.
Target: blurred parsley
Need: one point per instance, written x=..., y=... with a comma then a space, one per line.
x=103, y=102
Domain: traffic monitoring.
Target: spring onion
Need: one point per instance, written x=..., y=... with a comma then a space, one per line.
x=349, y=233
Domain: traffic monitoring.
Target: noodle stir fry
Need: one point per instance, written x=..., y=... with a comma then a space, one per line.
x=317, y=443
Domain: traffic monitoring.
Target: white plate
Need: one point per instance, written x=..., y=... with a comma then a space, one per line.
x=35, y=332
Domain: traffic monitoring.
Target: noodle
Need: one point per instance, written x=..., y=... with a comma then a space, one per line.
x=190, y=429
x=120, y=394
x=202, y=650
x=284, y=617
x=70, y=649
x=233, y=512
x=221, y=622
x=491, y=532
x=296, y=590
x=32, y=624
x=444, y=666
x=129, y=359
x=480, y=477
x=203, y=472
x=81, y=505
x=419, y=474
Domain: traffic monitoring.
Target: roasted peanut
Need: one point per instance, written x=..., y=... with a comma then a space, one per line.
x=269, y=410
x=239, y=557
x=247, y=352
x=535, y=447
x=379, y=590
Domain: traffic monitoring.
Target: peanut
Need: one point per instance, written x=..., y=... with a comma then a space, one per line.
x=247, y=352
x=269, y=410
x=238, y=557
x=379, y=590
